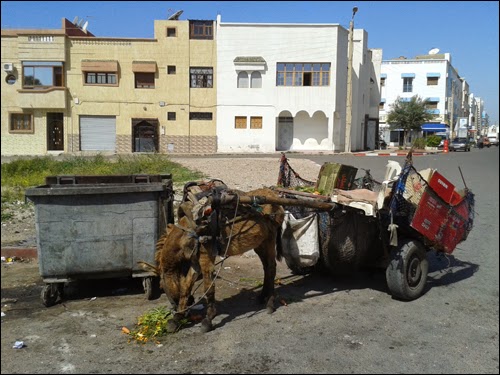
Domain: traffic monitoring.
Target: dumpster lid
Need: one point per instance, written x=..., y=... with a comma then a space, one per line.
x=106, y=179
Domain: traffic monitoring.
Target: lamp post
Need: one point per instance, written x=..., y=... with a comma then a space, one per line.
x=349, y=85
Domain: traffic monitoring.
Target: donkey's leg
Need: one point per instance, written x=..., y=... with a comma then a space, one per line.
x=267, y=254
x=207, y=268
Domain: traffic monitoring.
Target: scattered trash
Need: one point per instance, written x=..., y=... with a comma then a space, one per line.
x=3, y=259
x=93, y=298
x=125, y=330
x=93, y=335
x=227, y=268
x=198, y=307
x=283, y=302
x=18, y=345
x=3, y=314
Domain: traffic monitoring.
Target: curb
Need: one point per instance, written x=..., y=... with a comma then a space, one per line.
x=20, y=252
x=393, y=153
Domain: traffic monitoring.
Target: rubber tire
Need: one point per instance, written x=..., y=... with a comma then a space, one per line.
x=151, y=287
x=297, y=270
x=407, y=271
x=50, y=294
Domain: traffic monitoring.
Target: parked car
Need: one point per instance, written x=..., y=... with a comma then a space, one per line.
x=493, y=140
x=486, y=142
x=460, y=144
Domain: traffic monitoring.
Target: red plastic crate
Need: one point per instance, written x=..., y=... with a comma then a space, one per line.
x=454, y=231
x=442, y=186
x=431, y=216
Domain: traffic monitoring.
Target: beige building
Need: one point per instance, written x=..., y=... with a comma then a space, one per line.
x=69, y=91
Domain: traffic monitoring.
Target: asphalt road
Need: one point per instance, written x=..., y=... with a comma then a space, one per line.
x=330, y=325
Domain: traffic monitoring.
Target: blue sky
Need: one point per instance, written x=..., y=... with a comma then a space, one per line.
x=468, y=30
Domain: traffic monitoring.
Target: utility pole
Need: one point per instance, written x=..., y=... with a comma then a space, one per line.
x=349, y=85
x=451, y=109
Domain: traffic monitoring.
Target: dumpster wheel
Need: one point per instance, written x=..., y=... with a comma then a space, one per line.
x=51, y=293
x=151, y=288
x=407, y=271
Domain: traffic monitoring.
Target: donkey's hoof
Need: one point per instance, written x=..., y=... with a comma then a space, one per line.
x=270, y=305
x=206, y=326
x=172, y=326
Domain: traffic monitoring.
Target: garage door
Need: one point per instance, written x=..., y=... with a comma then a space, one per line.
x=97, y=133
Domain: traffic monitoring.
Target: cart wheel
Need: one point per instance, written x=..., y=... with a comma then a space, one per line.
x=151, y=288
x=50, y=294
x=406, y=273
x=298, y=270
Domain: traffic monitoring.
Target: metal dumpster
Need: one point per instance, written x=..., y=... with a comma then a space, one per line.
x=92, y=227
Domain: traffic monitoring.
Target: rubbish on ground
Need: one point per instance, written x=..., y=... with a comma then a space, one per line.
x=198, y=307
x=125, y=330
x=3, y=314
x=18, y=345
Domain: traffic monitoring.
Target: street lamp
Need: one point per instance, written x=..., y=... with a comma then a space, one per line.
x=349, y=84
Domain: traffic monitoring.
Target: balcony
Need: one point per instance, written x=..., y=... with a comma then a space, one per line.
x=50, y=98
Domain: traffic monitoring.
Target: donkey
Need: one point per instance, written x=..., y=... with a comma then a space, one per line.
x=185, y=252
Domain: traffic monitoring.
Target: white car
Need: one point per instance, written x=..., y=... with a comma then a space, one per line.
x=493, y=141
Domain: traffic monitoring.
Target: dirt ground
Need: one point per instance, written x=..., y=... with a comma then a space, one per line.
x=328, y=324
x=92, y=313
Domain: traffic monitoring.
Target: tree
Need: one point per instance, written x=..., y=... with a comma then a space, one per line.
x=408, y=115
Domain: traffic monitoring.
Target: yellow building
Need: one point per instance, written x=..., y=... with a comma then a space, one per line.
x=69, y=91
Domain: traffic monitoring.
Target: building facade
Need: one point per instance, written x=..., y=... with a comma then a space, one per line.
x=433, y=78
x=282, y=87
x=116, y=95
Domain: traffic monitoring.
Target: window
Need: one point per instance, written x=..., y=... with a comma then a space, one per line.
x=382, y=82
x=171, y=32
x=303, y=74
x=171, y=116
x=201, y=77
x=240, y=122
x=256, y=122
x=42, y=74
x=144, y=80
x=171, y=69
x=381, y=106
x=200, y=115
x=21, y=123
x=432, y=105
x=432, y=81
x=92, y=78
x=242, y=80
x=256, y=82
x=407, y=84
x=201, y=30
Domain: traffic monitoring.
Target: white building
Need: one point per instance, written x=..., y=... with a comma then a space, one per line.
x=433, y=78
x=282, y=87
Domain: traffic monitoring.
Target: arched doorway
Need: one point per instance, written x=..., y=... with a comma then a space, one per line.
x=145, y=135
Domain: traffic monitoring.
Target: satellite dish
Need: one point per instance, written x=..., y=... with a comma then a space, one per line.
x=85, y=25
x=433, y=51
x=81, y=23
x=75, y=20
x=176, y=15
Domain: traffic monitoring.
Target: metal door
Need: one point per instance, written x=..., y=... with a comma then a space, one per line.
x=55, y=132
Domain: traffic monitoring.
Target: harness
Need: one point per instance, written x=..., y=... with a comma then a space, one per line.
x=205, y=206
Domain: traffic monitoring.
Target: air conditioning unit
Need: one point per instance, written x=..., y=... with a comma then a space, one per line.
x=8, y=67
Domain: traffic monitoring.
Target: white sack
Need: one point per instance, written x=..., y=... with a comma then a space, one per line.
x=300, y=240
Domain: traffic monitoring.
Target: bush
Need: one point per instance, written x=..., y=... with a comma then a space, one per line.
x=433, y=141
x=419, y=143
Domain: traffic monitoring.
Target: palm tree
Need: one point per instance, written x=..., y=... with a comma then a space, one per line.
x=408, y=115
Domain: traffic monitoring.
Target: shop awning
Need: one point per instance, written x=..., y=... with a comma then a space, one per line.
x=434, y=127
